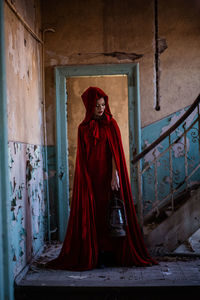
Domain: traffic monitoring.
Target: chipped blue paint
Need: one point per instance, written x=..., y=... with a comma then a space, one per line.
x=151, y=133
x=28, y=203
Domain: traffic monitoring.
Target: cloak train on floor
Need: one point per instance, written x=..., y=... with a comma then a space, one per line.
x=87, y=233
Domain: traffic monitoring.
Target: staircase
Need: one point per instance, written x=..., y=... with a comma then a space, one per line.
x=169, y=212
x=170, y=229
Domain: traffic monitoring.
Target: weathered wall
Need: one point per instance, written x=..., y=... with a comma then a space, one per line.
x=179, y=24
x=23, y=82
x=28, y=209
x=25, y=133
x=150, y=134
x=87, y=32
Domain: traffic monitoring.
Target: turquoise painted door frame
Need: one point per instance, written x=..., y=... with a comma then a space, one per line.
x=6, y=278
x=61, y=73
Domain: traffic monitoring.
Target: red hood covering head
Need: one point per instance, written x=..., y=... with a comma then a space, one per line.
x=90, y=97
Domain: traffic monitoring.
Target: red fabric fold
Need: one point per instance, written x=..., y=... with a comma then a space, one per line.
x=94, y=129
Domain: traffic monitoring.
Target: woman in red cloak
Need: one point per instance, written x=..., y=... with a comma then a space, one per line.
x=100, y=168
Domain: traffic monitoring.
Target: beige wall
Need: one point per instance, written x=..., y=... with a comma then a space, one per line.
x=116, y=89
x=86, y=31
x=24, y=82
x=179, y=23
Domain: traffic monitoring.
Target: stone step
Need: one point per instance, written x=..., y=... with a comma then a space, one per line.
x=176, y=228
x=174, y=278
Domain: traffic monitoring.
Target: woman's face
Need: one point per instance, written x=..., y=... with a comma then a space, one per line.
x=99, y=108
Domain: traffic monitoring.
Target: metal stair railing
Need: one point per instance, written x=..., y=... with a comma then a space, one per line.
x=182, y=138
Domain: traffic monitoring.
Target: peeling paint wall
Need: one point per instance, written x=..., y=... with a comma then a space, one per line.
x=27, y=202
x=151, y=133
x=25, y=133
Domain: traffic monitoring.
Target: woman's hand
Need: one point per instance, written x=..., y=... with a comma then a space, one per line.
x=115, y=178
x=115, y=181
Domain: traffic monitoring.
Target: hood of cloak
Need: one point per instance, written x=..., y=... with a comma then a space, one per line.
x=90, y=97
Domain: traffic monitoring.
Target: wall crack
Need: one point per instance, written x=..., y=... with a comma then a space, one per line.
x=116, y=54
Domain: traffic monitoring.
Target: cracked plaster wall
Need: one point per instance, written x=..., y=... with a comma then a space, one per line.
x=25, y=133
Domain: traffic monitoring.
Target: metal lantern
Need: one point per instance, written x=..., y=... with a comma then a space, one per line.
x=116, y=217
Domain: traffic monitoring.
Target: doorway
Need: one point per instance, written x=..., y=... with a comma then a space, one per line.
x=116, y=87
x=121, y=84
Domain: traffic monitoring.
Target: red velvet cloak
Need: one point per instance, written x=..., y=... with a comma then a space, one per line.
x=98, y=141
